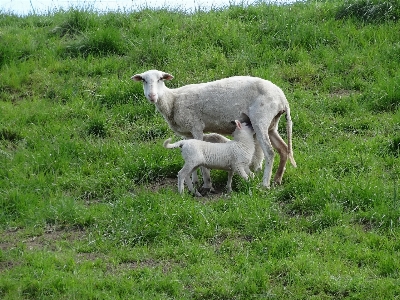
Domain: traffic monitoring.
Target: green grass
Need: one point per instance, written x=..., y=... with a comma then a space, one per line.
x=89, y=207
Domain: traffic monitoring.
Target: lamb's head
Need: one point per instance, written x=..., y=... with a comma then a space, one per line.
x=242, y=129
x=153, y=83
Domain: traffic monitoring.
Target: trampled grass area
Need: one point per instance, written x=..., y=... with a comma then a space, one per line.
x=89, y=207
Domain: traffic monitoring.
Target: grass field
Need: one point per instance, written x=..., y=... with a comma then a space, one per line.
x=89, y=207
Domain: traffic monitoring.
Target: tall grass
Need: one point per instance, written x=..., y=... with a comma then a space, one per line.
x=89, y=207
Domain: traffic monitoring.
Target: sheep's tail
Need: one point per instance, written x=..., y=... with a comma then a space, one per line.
x=289, y=125
x=168, y=145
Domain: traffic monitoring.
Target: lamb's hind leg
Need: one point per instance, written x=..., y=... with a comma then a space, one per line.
x=184, y=175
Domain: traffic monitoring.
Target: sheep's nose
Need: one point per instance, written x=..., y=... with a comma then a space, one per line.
x=153, y=96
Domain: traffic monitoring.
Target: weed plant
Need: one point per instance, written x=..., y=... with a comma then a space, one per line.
x=89, y=207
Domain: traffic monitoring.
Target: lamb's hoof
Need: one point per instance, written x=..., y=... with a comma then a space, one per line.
x=257, y=169
x=197, y=194
x=204, y=191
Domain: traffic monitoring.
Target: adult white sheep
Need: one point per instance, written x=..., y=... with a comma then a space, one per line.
x=232, y=156
x=210, y=107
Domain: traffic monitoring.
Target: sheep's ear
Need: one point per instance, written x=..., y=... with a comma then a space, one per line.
x=167, y=76
x=137, y=77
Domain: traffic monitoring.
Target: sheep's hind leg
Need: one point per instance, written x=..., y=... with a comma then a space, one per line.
x=258, y=157
x=282, y=148
x=261, y=119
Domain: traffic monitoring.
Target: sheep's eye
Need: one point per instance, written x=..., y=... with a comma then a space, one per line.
x=144, y=80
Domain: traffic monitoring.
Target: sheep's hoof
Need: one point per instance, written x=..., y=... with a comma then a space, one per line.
x=197, y=194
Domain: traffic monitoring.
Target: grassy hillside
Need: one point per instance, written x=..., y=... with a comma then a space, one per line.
x=89, y=207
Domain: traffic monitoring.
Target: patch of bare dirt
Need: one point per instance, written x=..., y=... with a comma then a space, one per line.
x=48, y=239
x=162, y=183
x=165, y=265
x=341, y=93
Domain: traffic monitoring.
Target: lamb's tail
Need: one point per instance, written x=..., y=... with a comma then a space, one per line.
x=168, y=145
x=289, y=125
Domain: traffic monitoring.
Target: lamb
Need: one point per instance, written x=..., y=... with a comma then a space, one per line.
x=256, y=162
x=232, y=156
x=209, y=107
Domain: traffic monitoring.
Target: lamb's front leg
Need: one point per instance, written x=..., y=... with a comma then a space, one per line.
x=241, y=171
x=229, y=183
x=195, y=178
x=248, y=172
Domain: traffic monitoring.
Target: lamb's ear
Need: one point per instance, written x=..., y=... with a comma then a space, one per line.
x=238, y=125
x=137, y=77
x=167, y=76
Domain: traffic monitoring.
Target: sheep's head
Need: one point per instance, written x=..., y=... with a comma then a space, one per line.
x=153, y=83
